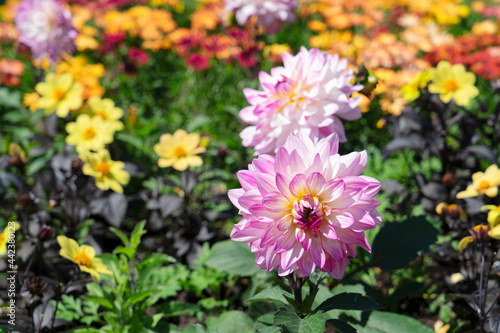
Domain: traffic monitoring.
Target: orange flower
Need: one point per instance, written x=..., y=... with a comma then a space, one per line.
x=10, y=70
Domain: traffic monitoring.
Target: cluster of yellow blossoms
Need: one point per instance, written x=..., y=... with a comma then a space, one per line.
x=449, y=81
x=483, y=183
x=74, y=87
x=394, y=58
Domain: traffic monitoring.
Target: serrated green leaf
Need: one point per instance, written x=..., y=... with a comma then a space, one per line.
x=103, y=301
x=232, y=257
x=270, y=295
x=137, y=297
x=292, y=323
x=348, y=301
x=155, y=259
x=232, y=321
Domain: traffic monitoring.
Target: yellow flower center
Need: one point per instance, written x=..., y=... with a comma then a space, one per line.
x=451, y=85
x=102, y=114
x=2, y=238
x=59, y=94
x=179, y=152
x=103, y=168
x=483, y=185
x=89, y=133
x=82, y=259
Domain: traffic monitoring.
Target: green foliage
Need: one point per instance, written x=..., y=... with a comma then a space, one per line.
x=232, y=257
x=398, y=243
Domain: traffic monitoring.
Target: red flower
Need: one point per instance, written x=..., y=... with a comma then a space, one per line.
x=197, y=62
x=137, y=56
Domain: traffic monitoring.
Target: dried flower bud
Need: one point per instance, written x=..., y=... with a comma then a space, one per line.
x=449, y=179
x=77, y=165
x=36, y=286
x=45, y=232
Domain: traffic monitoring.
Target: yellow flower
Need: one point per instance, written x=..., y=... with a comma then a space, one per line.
x=483, y=183
x=59, y=93
x=108, y=173
x=452, y=82
x=411, y=91
x=88, y=133
x=30, y=100
x=179, y=150
x=493, y=215
x=4, y=237
x=83, y=256
x=105, y=108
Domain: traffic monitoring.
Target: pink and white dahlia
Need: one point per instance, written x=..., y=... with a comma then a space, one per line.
x=306, y=208
x=270, y=13
x=45, y=26
x=311, y=92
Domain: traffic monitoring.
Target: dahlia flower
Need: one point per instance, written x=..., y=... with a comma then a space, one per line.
x=270, y=13
x=310, y=93
x=306, y=208
x=45, y=26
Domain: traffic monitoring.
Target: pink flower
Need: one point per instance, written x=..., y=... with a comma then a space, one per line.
x=306, y=208
x=45, y=26
x=310, y=92
x=270, y=13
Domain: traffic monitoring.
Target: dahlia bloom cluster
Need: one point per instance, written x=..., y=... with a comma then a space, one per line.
x=45, y=26
x=307, y=207
x=270, y=13
x=311, y=93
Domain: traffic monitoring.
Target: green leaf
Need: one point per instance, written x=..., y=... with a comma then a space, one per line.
x=103, y=301
x=120, y=235
x=10, y=98
x=232, y=321
x=135, y=237
x=133, y=140
x=155, y=259
x=174, y=309
x=387, y=322
x=397, y=244
x=195, y=329
x=292, y=323
x=270, y=295
x=341, y=326
x=232, y=257
x=348, y=301
x=139, y=297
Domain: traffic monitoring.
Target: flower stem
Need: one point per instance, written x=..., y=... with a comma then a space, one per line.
x=296, y=286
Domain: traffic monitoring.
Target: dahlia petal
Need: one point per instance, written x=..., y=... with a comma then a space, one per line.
x=276, y=202
x=348, y=198
x=284, y=223
x=285, y=242
x=338, y=270
x=270, y=235
x=316, y=166
x=291, y=256
x=282, y=183
x=306, y=265
x=281, y=160
x=246, y=180
x=316, y=183
x=332, y=191
x=317, y=254
x=298, y=185
x=234, y=195
x=333, y=248
x=340, y=219
x=295, y=164
x=265, y=183
x=347, y=236
x=328, y=231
